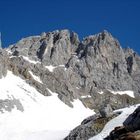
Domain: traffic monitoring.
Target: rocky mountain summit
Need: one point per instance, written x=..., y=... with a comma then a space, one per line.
x=96, y=70
x=76, y=69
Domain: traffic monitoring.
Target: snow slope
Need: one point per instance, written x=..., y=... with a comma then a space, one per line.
x=51, y=68
x=127, y=92
x=118, y=121
x=43, y=118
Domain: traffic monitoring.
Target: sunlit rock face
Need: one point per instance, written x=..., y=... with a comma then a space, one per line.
x=74, y=68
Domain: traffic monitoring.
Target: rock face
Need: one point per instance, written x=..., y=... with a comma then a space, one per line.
x=130, y=129
x=108, y=101
x=89, y=127
x=98, y=62
x=74, y=68
x=132, y=123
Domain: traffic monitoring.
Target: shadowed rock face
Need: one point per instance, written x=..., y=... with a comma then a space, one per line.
x=120, y=133
x=79, y=67
x=132, y=123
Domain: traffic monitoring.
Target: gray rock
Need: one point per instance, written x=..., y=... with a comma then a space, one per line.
x=79, y=67
x=132, y=123
x=9, y=104
x=129, y=130
x=90, y=127
x=106, y=111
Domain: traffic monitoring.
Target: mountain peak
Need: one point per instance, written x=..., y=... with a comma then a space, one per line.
x=99, y=54
x=96, y=72
x=103, y=38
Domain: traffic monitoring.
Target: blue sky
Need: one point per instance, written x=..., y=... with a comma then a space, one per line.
x=22, y=18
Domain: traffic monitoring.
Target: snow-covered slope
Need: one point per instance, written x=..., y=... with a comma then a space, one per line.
x=118, y=121
x=34, y=116
x=127, y=92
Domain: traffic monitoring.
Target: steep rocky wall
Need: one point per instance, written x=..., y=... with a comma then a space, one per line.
x=96, y=62
x=74, y=68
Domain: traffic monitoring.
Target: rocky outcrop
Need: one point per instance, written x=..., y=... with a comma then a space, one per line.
x=103, y=105
x=121, y=133
x=107, y=98
x=9, y=104
x=52, y=48
x=89, y=127
x=130, y=129
x=132, y=123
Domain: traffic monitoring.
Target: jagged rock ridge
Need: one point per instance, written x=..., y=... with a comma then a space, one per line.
x=74, y=68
